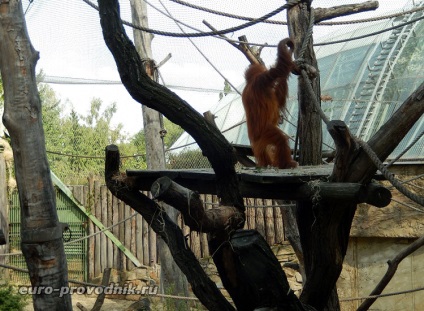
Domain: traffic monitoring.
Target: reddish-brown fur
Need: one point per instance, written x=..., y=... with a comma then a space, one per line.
x=264, y=96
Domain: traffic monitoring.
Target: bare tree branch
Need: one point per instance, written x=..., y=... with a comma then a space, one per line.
x=213, y=144
x=391, y=270
x=202, y=286
x=322, y=14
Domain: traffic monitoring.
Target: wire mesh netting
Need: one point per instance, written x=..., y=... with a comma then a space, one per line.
x=85, y=107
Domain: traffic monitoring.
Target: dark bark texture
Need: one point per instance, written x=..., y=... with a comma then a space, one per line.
x=41, y=232
x=324, y=227
x=149, y=93
x=206, y=290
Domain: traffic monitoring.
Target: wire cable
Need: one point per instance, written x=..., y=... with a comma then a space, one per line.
x=198, y=49
x=370, y=34
x=268, y=21
x=289, y=4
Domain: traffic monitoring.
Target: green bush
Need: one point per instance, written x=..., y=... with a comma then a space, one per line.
x=10, y=299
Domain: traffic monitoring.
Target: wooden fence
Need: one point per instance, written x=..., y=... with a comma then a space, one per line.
x=3, y=207
x=136, y=235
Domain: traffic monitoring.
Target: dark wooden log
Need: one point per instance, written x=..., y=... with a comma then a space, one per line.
x=291, y=231
x=141, y=305
x=213, y=144
x=388, y=136
x=2, y=238
x=373, y=194
x=202, y=286
x=192, y=208
x=244, y=150
x=81, y=307
x=101, y=298
x=309, y=123
x=322, y=14
x=254, y=265
x=329, y=227
x=252, y=57
x=272, y=185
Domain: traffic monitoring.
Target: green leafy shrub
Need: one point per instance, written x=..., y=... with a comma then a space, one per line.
x=10, y=299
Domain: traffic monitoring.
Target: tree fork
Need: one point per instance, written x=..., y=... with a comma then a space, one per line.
x=203, y=287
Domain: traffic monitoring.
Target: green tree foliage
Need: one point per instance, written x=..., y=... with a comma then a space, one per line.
x=173, y=132
x=75, y=143
x=10, y=300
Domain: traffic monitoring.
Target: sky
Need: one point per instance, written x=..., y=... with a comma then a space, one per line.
x=69, y=39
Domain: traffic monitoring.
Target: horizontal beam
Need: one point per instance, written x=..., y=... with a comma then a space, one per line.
x=272, y=184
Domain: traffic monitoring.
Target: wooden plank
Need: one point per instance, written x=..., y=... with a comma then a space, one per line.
x=146, y=252
x=260, y=219
x=251, y=215
x=109, y=222
x=139, y=237
x=278, y=224
x=122, y=261
x=115, y=230
x=133, y=228
x=94, y=219
x=97, y=247
x=103, y=238
x=153, y=247
x=207, y=199
x=285, y=176
x=127, y=238
x=269, y=222
x=91, y=240
x=195, y=243
x=254, y=182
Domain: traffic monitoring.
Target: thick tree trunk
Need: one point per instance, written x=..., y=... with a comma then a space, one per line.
x=322, y=236
x=41, y=232
x=172, y=280
x=324, y=228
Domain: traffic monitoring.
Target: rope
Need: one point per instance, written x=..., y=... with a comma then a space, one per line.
x=288, y=5
x=97, y=285
x=308, y=37
x=82, y=238
x=92, y=157
x=194, y=298
x=408, y=205
x=225, y=14
x=358, y=21
x=372, y=33
x=177, y=297
x=383, y=169
x=374, y=158
x=301, y=63
x=264, y=19
x=406, y=149
x=383, y=295
x=27, y=8
x=389, y=176
x=197, y=48
x=308, y=84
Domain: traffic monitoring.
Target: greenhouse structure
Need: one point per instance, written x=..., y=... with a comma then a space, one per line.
x=365, y=78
